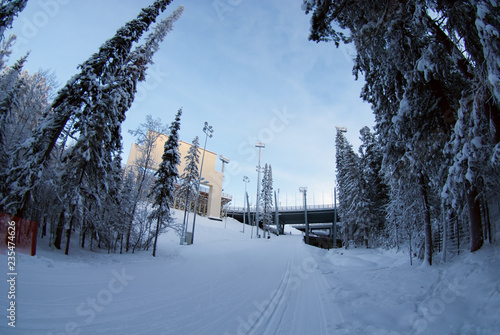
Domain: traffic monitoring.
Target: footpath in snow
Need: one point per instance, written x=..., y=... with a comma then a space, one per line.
x=227, y=283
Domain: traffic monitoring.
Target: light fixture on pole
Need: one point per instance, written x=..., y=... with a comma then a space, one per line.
x=259, y=145
x=208, y=132
x=304, y=190
x=224, y=160
x=246, y=180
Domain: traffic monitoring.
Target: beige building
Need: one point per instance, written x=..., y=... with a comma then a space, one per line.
x=211, y=200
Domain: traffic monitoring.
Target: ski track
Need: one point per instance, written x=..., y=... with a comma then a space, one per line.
x=231, y=284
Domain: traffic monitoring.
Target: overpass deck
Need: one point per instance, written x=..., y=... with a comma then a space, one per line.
x=291, y=215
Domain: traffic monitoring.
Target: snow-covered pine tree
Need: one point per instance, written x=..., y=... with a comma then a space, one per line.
x=163, y=191
x=10, y=87
x=189, y=181
x=348, y=183
x=23, y=103
x=8, y=10
x=6, y=50
x=82, y=95
x=103, y=119
x=415, y=67
x=470, y=33
x=374, y=190
x=266, y=198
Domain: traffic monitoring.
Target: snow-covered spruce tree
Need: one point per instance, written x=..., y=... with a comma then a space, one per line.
x=163, y=191
x=374, y=190
x=147, y=135
x=10, y=88
x=412, y=81
x=103, y=119
x=8, y=10
x=22, y=107
x=23, y=103
x=348, y=183
x=189, y=181
x=266, y=198
x=95, y=87
x=6, y=50
x=470, y=32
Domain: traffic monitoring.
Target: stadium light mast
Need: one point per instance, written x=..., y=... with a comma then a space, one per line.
x=224, y=160
x=259, y=145
x=208, y=130
x=246, y=180
x=304, y=190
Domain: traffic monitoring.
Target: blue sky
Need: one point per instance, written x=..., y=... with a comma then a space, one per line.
x=246, y=67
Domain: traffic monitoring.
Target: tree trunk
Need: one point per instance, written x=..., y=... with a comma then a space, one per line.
x=121, y=243
x=488, y=220
x=129, y=229
x=69, y=234
x=427, y=222
x=475, y=224
x=44, y=226
x=59, y=231
x=84, y=233
x=156, y=236
x=445, y=232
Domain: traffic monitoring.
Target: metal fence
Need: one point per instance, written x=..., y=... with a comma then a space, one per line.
x=456, y=239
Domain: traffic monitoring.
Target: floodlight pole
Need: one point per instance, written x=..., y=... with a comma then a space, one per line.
x=208, y=132
x=259, y=145
x=335, y=218
x=224, y=161
x=249, y=216
x=304, y=190
x=246, y=180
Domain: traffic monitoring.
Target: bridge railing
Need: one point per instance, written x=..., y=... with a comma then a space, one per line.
x=237, y=209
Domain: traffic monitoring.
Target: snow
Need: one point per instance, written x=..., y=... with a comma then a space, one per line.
x=227, y=283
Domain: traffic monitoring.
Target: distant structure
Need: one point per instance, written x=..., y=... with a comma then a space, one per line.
x=211, y=199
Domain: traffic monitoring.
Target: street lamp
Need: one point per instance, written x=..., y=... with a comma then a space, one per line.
x=246, y=180
x=208, y=132
x=259, y=145
x=304, y=190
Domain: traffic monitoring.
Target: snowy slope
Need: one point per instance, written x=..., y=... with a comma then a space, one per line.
x=228, y=283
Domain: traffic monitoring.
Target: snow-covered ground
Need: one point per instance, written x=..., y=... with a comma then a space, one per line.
x=228, y=283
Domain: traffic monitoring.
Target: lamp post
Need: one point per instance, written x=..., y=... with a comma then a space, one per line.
x=208, y=132
x=246, y=180
x=304, y=190
x=259, y=145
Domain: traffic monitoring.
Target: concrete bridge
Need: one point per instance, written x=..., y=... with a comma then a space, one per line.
x=292, y=215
